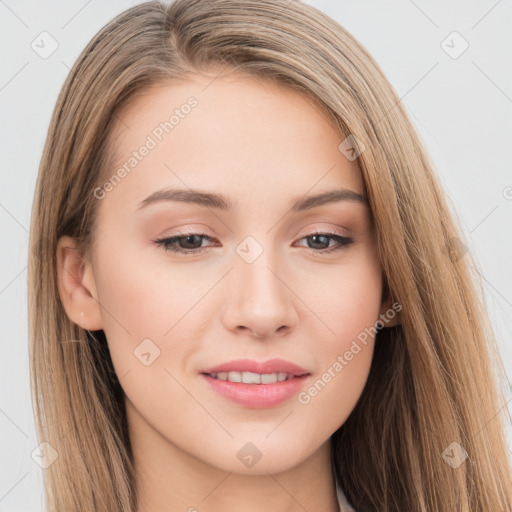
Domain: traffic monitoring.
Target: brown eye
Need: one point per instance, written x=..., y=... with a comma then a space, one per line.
x=191, y=243
x=320, y=242
x=185, y=243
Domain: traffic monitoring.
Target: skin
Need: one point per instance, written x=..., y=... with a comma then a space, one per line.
x=261, y=145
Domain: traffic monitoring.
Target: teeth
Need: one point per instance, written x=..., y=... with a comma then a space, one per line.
x=234, y=377
x=252, y=378
x=269, y=378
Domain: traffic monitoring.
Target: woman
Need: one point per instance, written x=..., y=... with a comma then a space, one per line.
x=326, y=349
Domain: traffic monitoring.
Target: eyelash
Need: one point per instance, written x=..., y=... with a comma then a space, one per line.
x=167, y=243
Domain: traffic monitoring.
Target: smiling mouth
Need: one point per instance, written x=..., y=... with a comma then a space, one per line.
x=252, y=378
x=261, y=389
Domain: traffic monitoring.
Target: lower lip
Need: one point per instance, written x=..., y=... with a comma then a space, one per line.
x=257, y=396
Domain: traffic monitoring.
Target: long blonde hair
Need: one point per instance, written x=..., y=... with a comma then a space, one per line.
x=431, y=383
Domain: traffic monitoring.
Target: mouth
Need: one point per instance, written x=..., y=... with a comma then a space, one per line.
x=252, y=378
x=252, y=370
x=257, y=385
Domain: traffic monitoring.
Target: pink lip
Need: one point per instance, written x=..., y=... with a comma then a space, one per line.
x=250, y=365
x=257, y=396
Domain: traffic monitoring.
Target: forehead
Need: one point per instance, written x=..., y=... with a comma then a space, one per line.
x=241, y=136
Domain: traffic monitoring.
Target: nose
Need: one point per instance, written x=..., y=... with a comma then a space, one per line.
x=260, y=301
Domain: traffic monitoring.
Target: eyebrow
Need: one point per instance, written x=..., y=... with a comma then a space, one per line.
x=220, y=202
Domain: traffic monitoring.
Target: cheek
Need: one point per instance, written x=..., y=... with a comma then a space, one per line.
x=152, y=328
x=142, y=300
x=349, y=311
x=344, y=361
x=345, y=299
x=154, y=322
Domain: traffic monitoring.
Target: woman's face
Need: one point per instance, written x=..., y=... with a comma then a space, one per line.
x=252, y=283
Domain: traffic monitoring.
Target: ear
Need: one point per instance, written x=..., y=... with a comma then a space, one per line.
x=76, y=285
x=389, y=313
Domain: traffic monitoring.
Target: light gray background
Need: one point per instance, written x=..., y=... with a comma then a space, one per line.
x=462, y=108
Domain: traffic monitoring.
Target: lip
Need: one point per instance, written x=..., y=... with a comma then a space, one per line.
x=257, y=396
x=250, y=365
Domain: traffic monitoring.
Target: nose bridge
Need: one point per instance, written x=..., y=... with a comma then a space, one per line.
x=256, y=268
x=260, y=300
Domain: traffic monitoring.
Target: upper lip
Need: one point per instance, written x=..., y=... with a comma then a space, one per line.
x=250, y=365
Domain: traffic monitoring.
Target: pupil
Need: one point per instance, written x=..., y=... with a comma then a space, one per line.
x=316, y=237
x=189, y=238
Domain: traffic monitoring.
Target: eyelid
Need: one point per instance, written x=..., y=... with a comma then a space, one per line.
x=205, y=231
x=342, y=241
x=200, y=230
x=322, y=231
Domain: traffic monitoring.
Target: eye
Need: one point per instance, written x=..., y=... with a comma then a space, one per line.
x=191, y=243
x=184, y=243
x=321, y=239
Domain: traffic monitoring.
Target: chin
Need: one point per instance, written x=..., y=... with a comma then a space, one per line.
x=260, y=457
